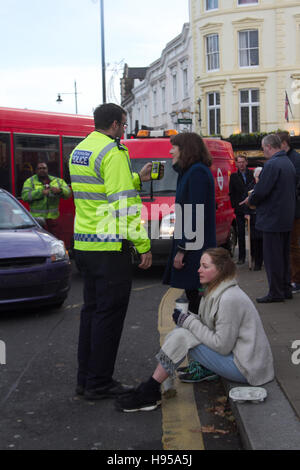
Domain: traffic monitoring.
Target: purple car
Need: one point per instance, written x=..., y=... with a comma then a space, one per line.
x=34, y=266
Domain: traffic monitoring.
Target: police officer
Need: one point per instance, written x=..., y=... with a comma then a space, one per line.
x=43, y=192
x=107, y=218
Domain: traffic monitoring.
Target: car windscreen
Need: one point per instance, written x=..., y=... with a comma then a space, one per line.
x=12, y=215
x=164, y=186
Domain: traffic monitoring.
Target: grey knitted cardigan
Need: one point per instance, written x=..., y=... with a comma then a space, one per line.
x=227, y=322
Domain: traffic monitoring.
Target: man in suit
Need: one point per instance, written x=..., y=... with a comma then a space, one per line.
x=295, y=235
x=240, y=183
x=275, y=199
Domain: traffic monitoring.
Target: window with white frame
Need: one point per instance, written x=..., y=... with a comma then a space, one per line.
x=146, y=116
x=214, y=113
x=185, y=83
x=250, y=110
x=248, y=48
x=163, y=99
x=212, y=52
x=247, y=2
x=154, y=102
x=174, y=83
x=211, y=4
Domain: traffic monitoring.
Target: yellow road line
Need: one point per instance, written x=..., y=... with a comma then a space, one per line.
x=180, y=421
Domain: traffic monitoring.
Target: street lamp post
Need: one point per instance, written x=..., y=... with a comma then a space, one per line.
x=199, y=111
x=103, y=51
x=59, y=99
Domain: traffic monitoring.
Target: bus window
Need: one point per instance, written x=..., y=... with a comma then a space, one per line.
x=29, y=150
x=5, y=162
x=69, y=143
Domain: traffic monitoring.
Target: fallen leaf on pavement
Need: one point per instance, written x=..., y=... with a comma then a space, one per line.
x=212, y=429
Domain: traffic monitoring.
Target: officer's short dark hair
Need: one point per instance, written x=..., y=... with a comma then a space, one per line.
x=106, y=114
x=39, y=162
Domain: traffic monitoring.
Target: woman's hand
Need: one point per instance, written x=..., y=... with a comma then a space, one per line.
x=179, y=317
x=178, y=260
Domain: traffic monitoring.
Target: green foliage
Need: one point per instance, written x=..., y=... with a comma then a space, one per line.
x=253, y=139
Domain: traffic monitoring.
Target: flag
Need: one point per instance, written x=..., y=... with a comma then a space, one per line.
x=287, y=105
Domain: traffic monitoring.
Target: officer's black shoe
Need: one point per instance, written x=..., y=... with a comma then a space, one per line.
x=268, y=300
x=112, y=390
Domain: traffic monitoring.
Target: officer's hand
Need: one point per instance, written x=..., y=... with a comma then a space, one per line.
x=46, y=192
x=55, y=190
x=161, y=171
x=145, y=173
x=146, y=260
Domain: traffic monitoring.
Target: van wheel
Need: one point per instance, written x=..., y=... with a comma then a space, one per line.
x=232, y=241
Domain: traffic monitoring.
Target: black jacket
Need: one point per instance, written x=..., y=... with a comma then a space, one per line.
x=295, y=159
x=275, y=195
x=238, y=190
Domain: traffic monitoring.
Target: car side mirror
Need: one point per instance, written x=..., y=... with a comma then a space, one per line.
x=41, y=221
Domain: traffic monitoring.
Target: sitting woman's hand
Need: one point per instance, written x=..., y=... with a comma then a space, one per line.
x=179, y=317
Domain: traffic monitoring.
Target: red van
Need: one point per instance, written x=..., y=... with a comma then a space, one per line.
x=158, y=196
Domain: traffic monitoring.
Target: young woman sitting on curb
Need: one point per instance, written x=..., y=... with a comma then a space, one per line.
x=226, y=337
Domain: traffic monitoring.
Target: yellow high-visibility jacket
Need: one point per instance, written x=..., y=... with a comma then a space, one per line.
x=108, y=206
x=40, y=204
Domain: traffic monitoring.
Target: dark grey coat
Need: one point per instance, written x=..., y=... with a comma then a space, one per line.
x=295, y=159
x=275, y=195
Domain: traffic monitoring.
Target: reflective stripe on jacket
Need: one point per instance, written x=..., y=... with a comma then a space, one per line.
x=108, y=207
x=40, y=204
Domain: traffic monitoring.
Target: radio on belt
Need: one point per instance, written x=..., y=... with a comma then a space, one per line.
x=155, y=170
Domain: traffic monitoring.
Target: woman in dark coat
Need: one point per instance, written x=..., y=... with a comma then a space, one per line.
x=195, y=187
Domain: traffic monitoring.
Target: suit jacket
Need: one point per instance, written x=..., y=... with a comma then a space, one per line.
x=295, y=159
x=275, y=195
x=238, y=190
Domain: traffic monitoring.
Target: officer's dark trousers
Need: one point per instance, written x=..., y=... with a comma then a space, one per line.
x=107, y=283
x=276, y=252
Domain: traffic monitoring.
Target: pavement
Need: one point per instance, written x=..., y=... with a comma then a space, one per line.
x=273, y=424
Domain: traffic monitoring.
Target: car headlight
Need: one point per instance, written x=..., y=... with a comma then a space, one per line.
x=167, y=226
x=58, y=251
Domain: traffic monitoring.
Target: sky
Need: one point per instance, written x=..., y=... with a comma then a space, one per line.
x=47, y=45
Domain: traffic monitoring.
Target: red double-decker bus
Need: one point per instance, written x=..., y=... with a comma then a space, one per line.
x=27, y=137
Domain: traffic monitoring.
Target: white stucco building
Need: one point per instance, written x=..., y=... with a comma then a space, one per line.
x=161, y=95
x=246, y=61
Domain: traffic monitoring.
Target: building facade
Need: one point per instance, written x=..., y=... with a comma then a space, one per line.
x=163, y=98
x=246, y=62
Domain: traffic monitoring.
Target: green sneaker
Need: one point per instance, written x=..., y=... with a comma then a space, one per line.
x=198, y=374
x=189, y=368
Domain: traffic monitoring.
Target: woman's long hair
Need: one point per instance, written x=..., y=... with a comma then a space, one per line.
x=192, y=149
x=225, y=266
